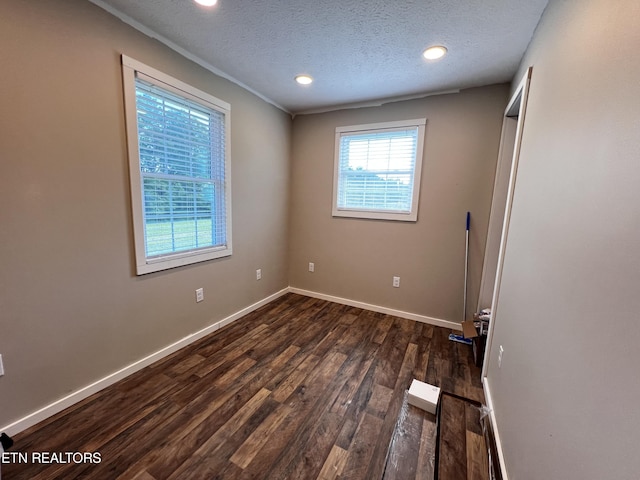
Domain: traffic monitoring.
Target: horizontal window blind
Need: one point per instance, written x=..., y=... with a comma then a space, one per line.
x=182, y=166
x=376, y=170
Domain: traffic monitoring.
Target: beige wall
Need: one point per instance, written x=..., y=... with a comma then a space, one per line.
x=71, y=308
x=566, y=397
x=355, y=258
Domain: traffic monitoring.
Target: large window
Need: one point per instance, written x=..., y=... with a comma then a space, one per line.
x=179, y=170
x=377, y=170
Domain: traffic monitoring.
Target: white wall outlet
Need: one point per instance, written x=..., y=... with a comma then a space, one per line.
x=1, y=367
x=312, y=267
x=500, y=352
x=396, y=282
x=199, y=294
x=258, y=274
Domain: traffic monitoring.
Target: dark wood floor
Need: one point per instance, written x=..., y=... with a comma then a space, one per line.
x=299, y=389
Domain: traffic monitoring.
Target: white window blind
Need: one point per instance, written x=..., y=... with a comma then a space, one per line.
x=377, y=169
x=181, y=148
x=179, y=165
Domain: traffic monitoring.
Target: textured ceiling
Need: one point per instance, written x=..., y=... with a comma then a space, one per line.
x=356, y=50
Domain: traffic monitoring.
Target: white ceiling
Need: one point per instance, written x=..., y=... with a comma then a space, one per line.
x=356, y=50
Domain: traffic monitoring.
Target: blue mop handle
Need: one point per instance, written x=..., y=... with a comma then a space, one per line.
x=466, y=268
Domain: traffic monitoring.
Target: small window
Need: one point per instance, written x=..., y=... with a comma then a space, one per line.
x=179, y=170
x=377, y=170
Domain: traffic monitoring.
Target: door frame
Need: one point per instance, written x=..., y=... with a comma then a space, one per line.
x=516, y=107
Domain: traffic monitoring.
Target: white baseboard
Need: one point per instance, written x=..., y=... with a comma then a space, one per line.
x=494, y=425
x=74, y=397
x=84, y=392
x=376, y=308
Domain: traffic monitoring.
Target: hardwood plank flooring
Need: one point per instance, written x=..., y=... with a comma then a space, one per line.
x=463, y=451
x=300, y=389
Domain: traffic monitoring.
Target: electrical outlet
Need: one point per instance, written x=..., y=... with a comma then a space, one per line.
x=258, y=274
x=1, y=367
x=500, y=352
x=312, y=267
x=199, y=295
x=396, y=282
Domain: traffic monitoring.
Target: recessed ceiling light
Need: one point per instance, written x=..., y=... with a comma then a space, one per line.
x=304, y=79
x=433, y=53
x=207, y=3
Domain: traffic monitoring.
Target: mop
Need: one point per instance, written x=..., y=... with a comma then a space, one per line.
x=460, y=338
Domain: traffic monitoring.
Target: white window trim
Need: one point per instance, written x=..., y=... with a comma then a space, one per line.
x=146, y=265
x=411, y=216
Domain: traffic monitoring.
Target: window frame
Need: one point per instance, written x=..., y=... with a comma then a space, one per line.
x=410, y=216
x=144, y=264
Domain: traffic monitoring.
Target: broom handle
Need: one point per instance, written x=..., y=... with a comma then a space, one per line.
x=466, y=267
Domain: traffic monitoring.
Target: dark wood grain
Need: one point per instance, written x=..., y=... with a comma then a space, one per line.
x=426, y=455
x=453, y=440
x=299, y=389
x=462, y=449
